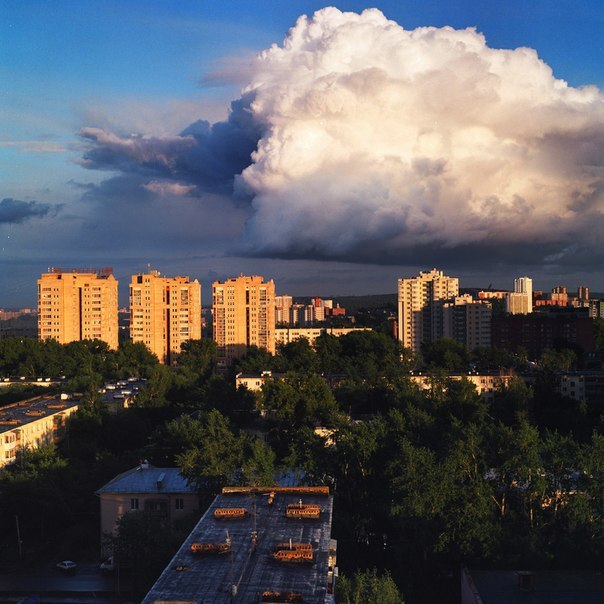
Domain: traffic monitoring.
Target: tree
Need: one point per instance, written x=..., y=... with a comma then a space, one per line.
x=513, y=402
x=135, y=359
x=154, y=394
x=445, y=353
x=258, y=468
x=212, y=463
x=175, y=438
x=298, y=356
x=145, y=542
x=198, y=356
x=368, y=588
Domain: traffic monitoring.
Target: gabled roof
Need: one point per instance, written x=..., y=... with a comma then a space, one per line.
x=146, y=478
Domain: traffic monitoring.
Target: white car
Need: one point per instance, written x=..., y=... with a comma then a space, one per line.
x=67, y=566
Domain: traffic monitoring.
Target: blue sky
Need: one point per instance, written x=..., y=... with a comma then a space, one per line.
x=153, y=68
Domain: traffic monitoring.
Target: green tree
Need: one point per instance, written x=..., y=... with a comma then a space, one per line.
x=513, y=402
x=368, y=588
x=258, y=468
x=154, y=394
x=145, y=542
x=213, y=462
x=298, y=356
x=446, y=354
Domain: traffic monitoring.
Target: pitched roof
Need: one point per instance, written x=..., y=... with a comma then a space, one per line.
x=146, y=478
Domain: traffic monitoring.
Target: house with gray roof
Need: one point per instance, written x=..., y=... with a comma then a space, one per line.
x=161, y=491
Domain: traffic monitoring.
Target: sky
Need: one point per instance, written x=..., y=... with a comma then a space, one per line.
x=331, y=147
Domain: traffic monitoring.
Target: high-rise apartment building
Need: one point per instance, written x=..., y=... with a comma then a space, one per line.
x=165, y=312
x=468, y=321
x=283, y=306
x=521, y=301
x=78, y=304
x=583, y=293
x=420, y=307
x=244, y=315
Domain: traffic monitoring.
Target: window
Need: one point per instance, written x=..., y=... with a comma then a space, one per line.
x=179, y=504
x=134, y=503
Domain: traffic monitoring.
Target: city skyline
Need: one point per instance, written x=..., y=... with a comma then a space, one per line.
x=118, y=149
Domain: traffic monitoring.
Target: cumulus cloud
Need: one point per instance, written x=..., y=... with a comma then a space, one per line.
x=359, y=139
x=386, y=139
x=15, y=211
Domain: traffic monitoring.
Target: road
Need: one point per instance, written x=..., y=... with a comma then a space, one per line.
x=51, y=585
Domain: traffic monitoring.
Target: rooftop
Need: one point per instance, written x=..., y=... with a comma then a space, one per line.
x=24, y=412
x=146, y=478
x=210, y=579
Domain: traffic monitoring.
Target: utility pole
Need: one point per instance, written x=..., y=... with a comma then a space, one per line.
x=19, y=538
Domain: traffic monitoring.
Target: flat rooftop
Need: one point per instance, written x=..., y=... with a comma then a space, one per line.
x=210, y=579
x=24, y=412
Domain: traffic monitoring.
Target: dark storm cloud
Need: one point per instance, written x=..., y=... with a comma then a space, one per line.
x=14, y=211
x=204, y=155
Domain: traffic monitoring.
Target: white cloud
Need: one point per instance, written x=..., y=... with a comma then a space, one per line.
x=378, y=135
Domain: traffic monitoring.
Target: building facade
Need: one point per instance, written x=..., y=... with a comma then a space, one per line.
x=520, y=301
x=468, y=321
x=78, y=304
x=165, y=312
x=244, y=315
x=420, y=307
x=283, y=306
x=31, y=424
x=285, y=335
x=161, y=491
x=537, y=332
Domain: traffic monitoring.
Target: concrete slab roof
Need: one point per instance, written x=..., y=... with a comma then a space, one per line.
x=210, y=579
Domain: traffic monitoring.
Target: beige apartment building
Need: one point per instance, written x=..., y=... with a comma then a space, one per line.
x=165, y=312
x=78, y=304
x=420, y=307
x=468, y=321
x=31, y=424
x=244, y=315
x=286, y=335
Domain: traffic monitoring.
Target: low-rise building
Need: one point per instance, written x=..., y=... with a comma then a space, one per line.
x=582, y=386
x=31, y=424
x=486, y=384
x=146, y=488
x=285, y=335
x=247, y=547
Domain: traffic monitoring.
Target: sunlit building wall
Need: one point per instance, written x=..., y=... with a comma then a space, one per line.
x=165, y=312
x=78, y=304
x=420, y=307
x=244, y=315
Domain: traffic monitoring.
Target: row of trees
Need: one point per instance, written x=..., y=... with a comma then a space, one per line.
x=422, y=479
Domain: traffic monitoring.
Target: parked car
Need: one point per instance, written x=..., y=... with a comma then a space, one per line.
x=67, y=566
x=107, y=566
